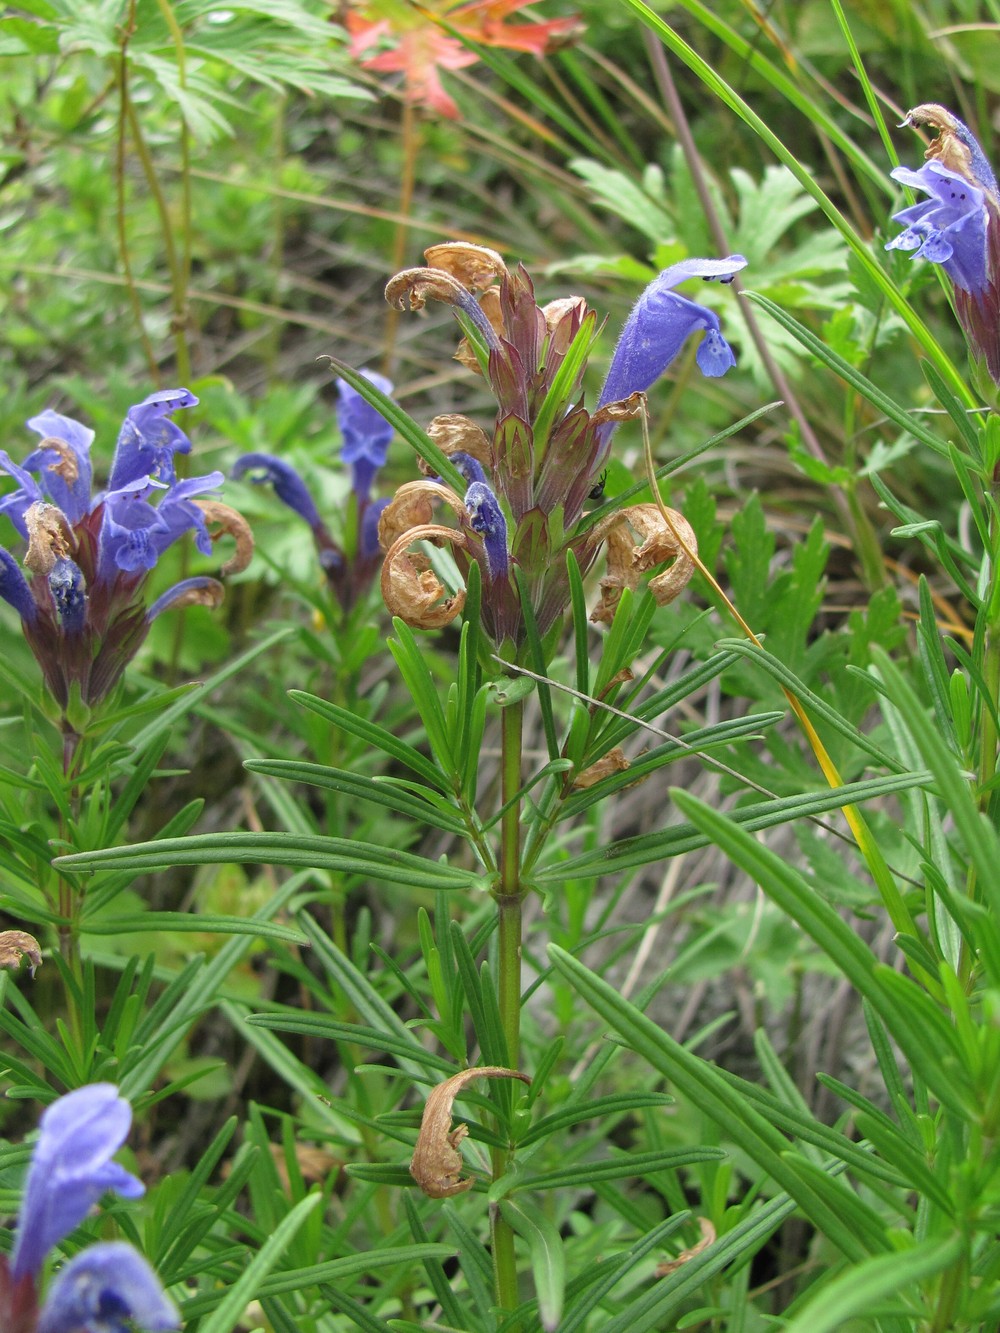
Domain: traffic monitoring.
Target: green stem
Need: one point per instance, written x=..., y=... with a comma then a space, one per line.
x=124, y=118
x=508, y=899
x=69, y=902
x=401, y=238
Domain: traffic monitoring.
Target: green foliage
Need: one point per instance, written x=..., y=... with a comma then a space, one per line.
x=750, y=965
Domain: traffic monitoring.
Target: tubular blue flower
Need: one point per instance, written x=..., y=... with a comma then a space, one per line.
x=660, y=324
x=470, y=468
x=487, y=518
x=949, y=228
x=366, y=433
x=71, y=1168
x=288, y=485
x=148, y=440
x=109, y=1288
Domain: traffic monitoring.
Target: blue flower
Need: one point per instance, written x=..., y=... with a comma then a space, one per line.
x=148, y=440
x=288, y=485
x=660, y=324
x=949, y=228
x=366, y=433
x=109, y=1287
x=487, y=518
x=958, y=226
x=71, y=1168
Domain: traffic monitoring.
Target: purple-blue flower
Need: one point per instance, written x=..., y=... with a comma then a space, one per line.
x=108, y=1288
x=288, y=485
x=81, y=600
x=487, y=518
x=949, y=228
x=660, y=324
x=148, y=439
x=71, y=1168
x=958, y=226
x=365, y=432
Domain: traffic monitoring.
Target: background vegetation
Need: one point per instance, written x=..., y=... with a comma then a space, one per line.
x=759, y=994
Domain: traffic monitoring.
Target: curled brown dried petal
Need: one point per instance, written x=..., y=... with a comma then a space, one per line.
x=663, y=539
x=49, y=537
x=230, y=523
x=412, y=506
x=413, y=591
x=613, y=762
x=475, y=266
x=626, y=409
x=454, y=433
x=437, y=1163
x=18, y=944
x=414, y=287
x=707, y=1238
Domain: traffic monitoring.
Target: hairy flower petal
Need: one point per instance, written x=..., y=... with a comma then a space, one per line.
x=487, y=518
x=14, y=588
x=63, y=457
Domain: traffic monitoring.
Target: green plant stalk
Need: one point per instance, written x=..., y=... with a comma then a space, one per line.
x=178, y=291
x=123, y=121
x=991, y=675
x=69, y=900
x=508, y=899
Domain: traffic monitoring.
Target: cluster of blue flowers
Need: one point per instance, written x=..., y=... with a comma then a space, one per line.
x=81, y=601
x=109, y=1287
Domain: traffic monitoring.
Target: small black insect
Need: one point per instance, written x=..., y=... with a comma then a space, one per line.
x=597, y=492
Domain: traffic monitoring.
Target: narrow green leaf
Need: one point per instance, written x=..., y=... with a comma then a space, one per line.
x=711, y=1093
x=374, y=735
x=614, y=857
x=360, y=787
x=832, y=1305
x=226, y=1314
x=548, y=1259
x=283, y=849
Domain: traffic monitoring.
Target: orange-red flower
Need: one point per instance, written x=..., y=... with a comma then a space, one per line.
x=417, y=41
